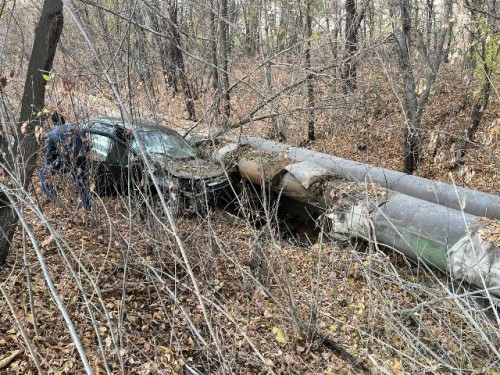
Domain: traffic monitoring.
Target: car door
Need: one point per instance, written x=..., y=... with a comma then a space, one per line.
x=109, y=163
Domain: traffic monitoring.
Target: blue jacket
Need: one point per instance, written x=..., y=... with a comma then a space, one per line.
x=65, y=151
x=64, y=147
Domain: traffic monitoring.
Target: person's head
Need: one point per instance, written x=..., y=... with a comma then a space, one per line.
x=57, y=119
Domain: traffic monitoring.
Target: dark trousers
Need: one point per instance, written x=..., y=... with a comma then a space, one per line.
x=80, y=181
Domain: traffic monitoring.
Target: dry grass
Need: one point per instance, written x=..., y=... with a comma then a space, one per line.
x=269, y=299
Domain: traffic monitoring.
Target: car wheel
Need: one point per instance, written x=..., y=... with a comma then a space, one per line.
x=159, y=210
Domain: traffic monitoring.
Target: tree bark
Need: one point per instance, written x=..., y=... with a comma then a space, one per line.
x=274, y=131
x=351, y=32
x=22, y=161
x=353, y=21
x=213, y=51
x=309, y=82
x=430, y=18
x=143, y=64
x=159, y=24
x=251, y=20
x=412, y=104
x=216, y=81
x=224, y=49
x=481, y=46
x=413, y=133
x=178, y=61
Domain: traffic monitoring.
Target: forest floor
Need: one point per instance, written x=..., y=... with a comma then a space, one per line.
x=218, y=294
x=270, y=299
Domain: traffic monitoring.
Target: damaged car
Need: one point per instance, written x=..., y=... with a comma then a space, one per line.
x=187, y=182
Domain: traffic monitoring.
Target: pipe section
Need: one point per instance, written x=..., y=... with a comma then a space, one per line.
x=439, y=236
x=470, y=201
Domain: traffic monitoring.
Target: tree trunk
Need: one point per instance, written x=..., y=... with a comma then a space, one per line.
x=475, y=119
x=413, y=134
x=429, y=23
x=413, y=105
x=351, y=32
x=354, y=17
x=224, y=49
x=213, y=51
x=160, y=25
x=310, y=77
x=23, y=160
x=143, y=63
x=178, y=61
x=251, y=20
x=274, y=131
x=487, y=51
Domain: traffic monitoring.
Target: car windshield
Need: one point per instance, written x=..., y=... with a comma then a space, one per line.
x=169, y=144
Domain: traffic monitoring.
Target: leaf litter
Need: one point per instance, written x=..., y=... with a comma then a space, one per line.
x=147, y=317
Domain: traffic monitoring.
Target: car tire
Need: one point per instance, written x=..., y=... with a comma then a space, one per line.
x=159, y=210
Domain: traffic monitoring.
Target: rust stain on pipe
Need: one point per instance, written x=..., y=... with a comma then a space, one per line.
x=251, y=170
x=292, y=188
x=276, y=177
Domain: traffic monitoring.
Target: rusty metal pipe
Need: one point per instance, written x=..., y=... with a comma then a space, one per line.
x=434, y=234
x=470, y=201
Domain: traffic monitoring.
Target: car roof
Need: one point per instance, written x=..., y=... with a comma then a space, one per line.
x=139, y=125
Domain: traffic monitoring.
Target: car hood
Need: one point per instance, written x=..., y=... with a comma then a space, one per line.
x=189, y=168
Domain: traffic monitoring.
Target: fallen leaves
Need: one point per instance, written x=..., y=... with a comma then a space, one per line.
x=397, y=365
x=24, y=128
x=490, y=230
x=279, y=335
x=124, y=291
x=48, y=241
x=5, y=361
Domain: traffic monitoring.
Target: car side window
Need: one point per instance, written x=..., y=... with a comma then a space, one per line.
x=106, y=149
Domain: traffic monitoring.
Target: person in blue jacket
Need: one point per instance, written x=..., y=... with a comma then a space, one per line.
x=65, y=152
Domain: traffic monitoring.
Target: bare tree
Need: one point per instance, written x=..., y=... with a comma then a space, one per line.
x=484, y=56
x=251, y=23
x=413, y=104
x=354, y=17
x=266, y=51
x=159, y=24
x=177, y=59
x=213, y=50
x=224, y=58
x=309, y=81
x=47, y=34
x=143, y=68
